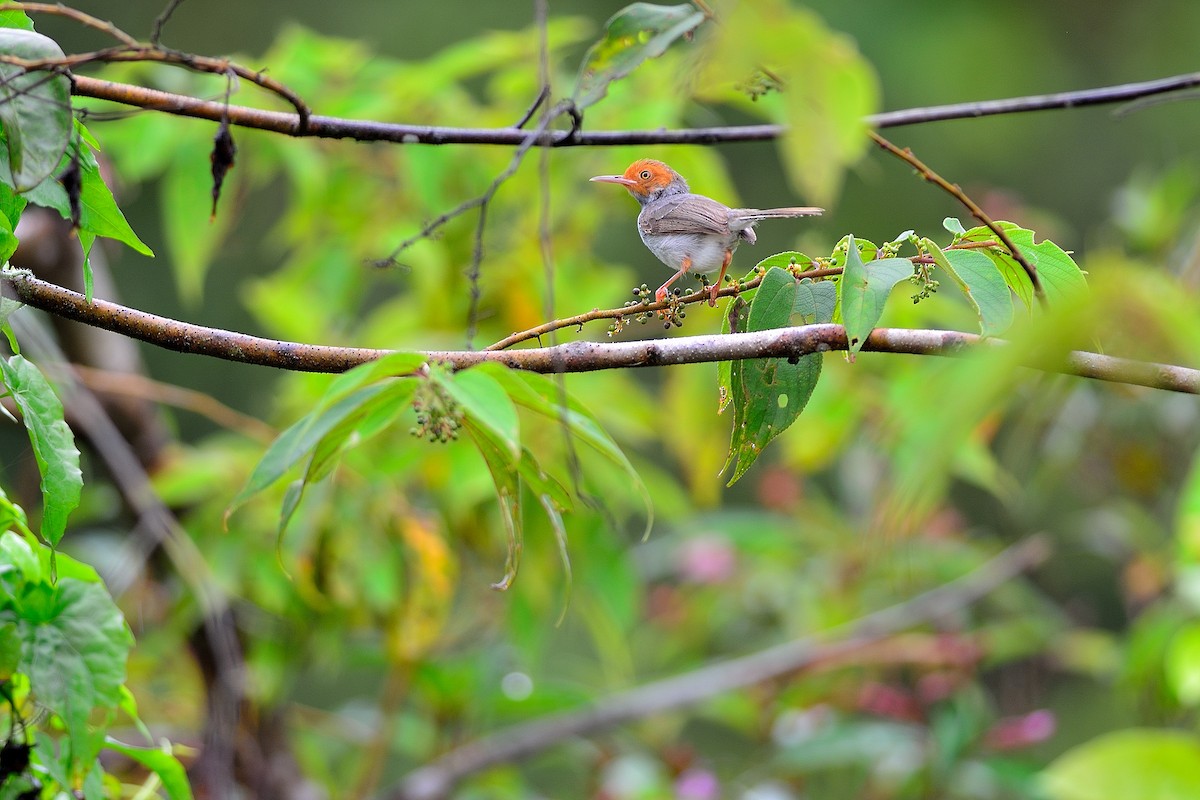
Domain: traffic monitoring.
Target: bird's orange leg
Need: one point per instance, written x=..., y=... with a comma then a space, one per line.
x=716, y=287
x=661, y=293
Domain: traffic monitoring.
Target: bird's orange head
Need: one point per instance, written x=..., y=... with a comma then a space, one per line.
x=647, y=179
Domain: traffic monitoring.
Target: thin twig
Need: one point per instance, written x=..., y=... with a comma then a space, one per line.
x=371, y=131
x=156, y=30
x=131, y=49
x=688, y=689
x=573, y=356
x=955, y=191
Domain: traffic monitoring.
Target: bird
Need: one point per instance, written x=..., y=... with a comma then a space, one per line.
x=690, y=232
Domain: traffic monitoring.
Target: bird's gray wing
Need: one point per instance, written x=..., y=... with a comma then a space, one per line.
x=685, y=213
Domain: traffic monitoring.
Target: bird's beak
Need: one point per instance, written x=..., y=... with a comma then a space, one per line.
x=621, y=179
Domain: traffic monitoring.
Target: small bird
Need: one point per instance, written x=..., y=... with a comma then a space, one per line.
x=690, y=232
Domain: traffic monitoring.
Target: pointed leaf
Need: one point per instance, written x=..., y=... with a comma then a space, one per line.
x=35, y=109
x=768, y=393
x=1060, y=276
x=634, y=34
x=865, y=289
x=979, y=279
x=485, y=402
x=52, y=440
x=297, y=441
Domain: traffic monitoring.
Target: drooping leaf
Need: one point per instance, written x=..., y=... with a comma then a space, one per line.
x=979, y=279
x=35, y=109
x=484, y=401
x=543, y=396
x=634, y=34
x=298, y=441
x=52, y=441
x=1136, y=762
x=162, y=762
x=864, y=291
x=768, y=393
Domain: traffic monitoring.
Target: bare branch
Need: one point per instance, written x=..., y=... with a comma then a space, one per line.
x=370, y=131
x=795, y=342
x=522, y=741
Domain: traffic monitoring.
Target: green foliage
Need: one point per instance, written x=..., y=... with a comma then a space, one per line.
x=634, y=34
x=35, y=110
x=52, y=440
x=769, y=393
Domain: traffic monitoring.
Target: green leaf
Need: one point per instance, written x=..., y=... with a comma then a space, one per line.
x=486, y=404
x=53, y=444
x=15, y=19
x=74, y=647
x=953, y=225
x=161, y=762
x=98, y=211
x=542, y=395
x=634, y=34
x=1060, y=276
x=815, y=301
x=865, y=289
x=734, y=320
x=1143, y=763
x=11, y=207
x=35, y=109
x=979, y=279
x=768, y=394
x=297, y=441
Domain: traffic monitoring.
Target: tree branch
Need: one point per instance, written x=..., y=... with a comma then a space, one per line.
x=955, y=191
x=370, y=131
x=521, y=741
x=794, y=342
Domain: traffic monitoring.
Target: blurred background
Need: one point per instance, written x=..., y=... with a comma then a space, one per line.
x=373, y=641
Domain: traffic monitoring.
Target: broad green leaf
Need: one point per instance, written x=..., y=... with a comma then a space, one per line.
x=1138, y=762
x=52, y=441
x=953, y=225
x=485, y=402
x=634, y=34
x=815, y=301
x=979, y=279
x=786, y=259
x=161, y=762
x=74, y=647
x=1058, y=273
x=865, y=288
x=17, y=556
x=35, y=109
x=15, y=19
x=768, y=394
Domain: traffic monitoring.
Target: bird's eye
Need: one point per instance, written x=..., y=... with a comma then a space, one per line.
x=645, y=175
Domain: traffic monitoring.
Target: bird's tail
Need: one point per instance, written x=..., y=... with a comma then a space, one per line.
x=753, y=214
